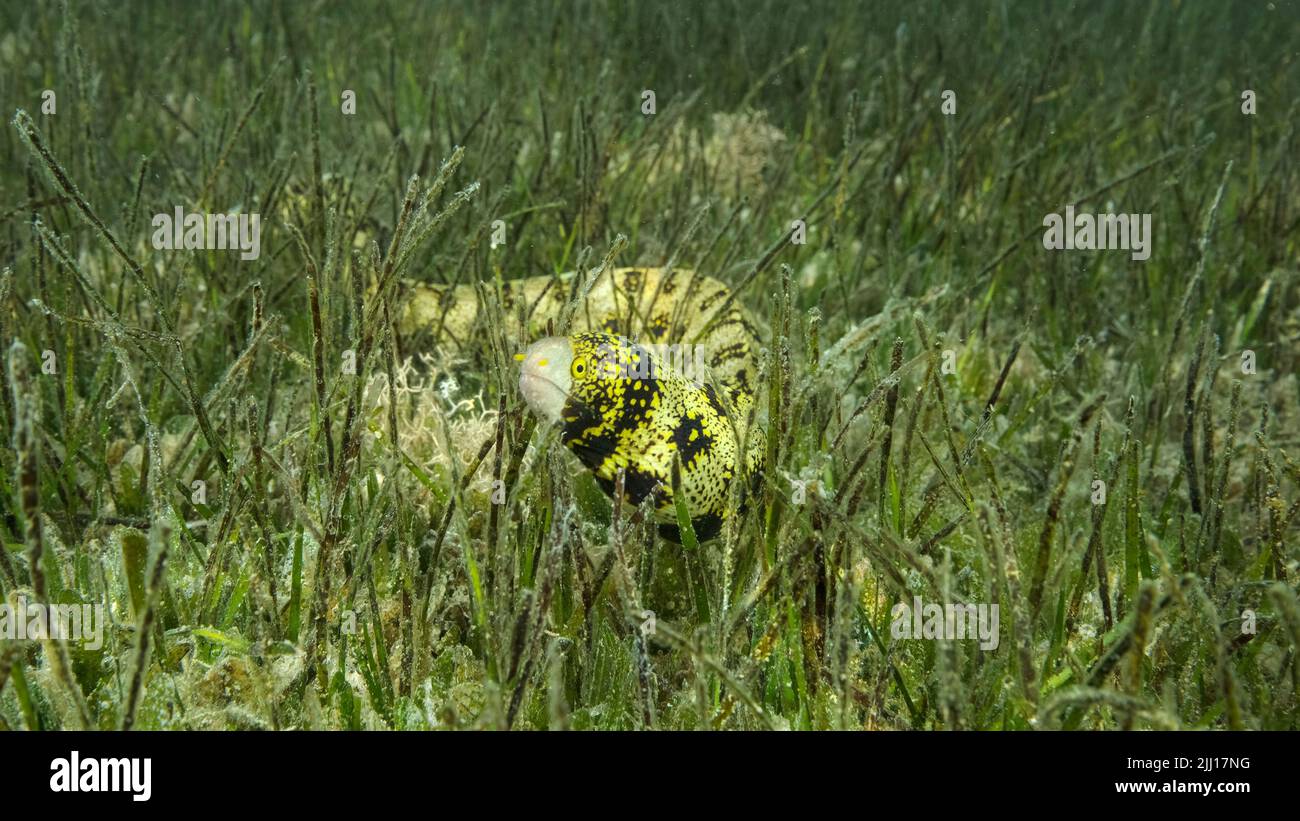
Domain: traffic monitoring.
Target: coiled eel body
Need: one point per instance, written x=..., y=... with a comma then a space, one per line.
x=654, y=366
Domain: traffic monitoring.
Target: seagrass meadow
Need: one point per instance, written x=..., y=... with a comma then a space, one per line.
x=291, y=511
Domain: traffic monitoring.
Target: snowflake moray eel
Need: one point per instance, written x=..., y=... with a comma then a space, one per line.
x=653, y=366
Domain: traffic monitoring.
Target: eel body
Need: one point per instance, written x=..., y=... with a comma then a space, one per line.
x=639, y=367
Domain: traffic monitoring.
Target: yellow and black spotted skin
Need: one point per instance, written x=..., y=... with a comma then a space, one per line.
x=626, y=412
x=657, y=365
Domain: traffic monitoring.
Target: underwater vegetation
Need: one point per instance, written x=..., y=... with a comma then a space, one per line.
x=1025, y=465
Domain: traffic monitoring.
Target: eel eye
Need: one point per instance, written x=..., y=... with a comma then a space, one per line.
x=579, y=366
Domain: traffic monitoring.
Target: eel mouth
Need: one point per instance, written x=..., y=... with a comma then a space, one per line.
x=545, y=377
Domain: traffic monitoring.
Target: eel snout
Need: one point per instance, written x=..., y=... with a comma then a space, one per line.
x=545, y=377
